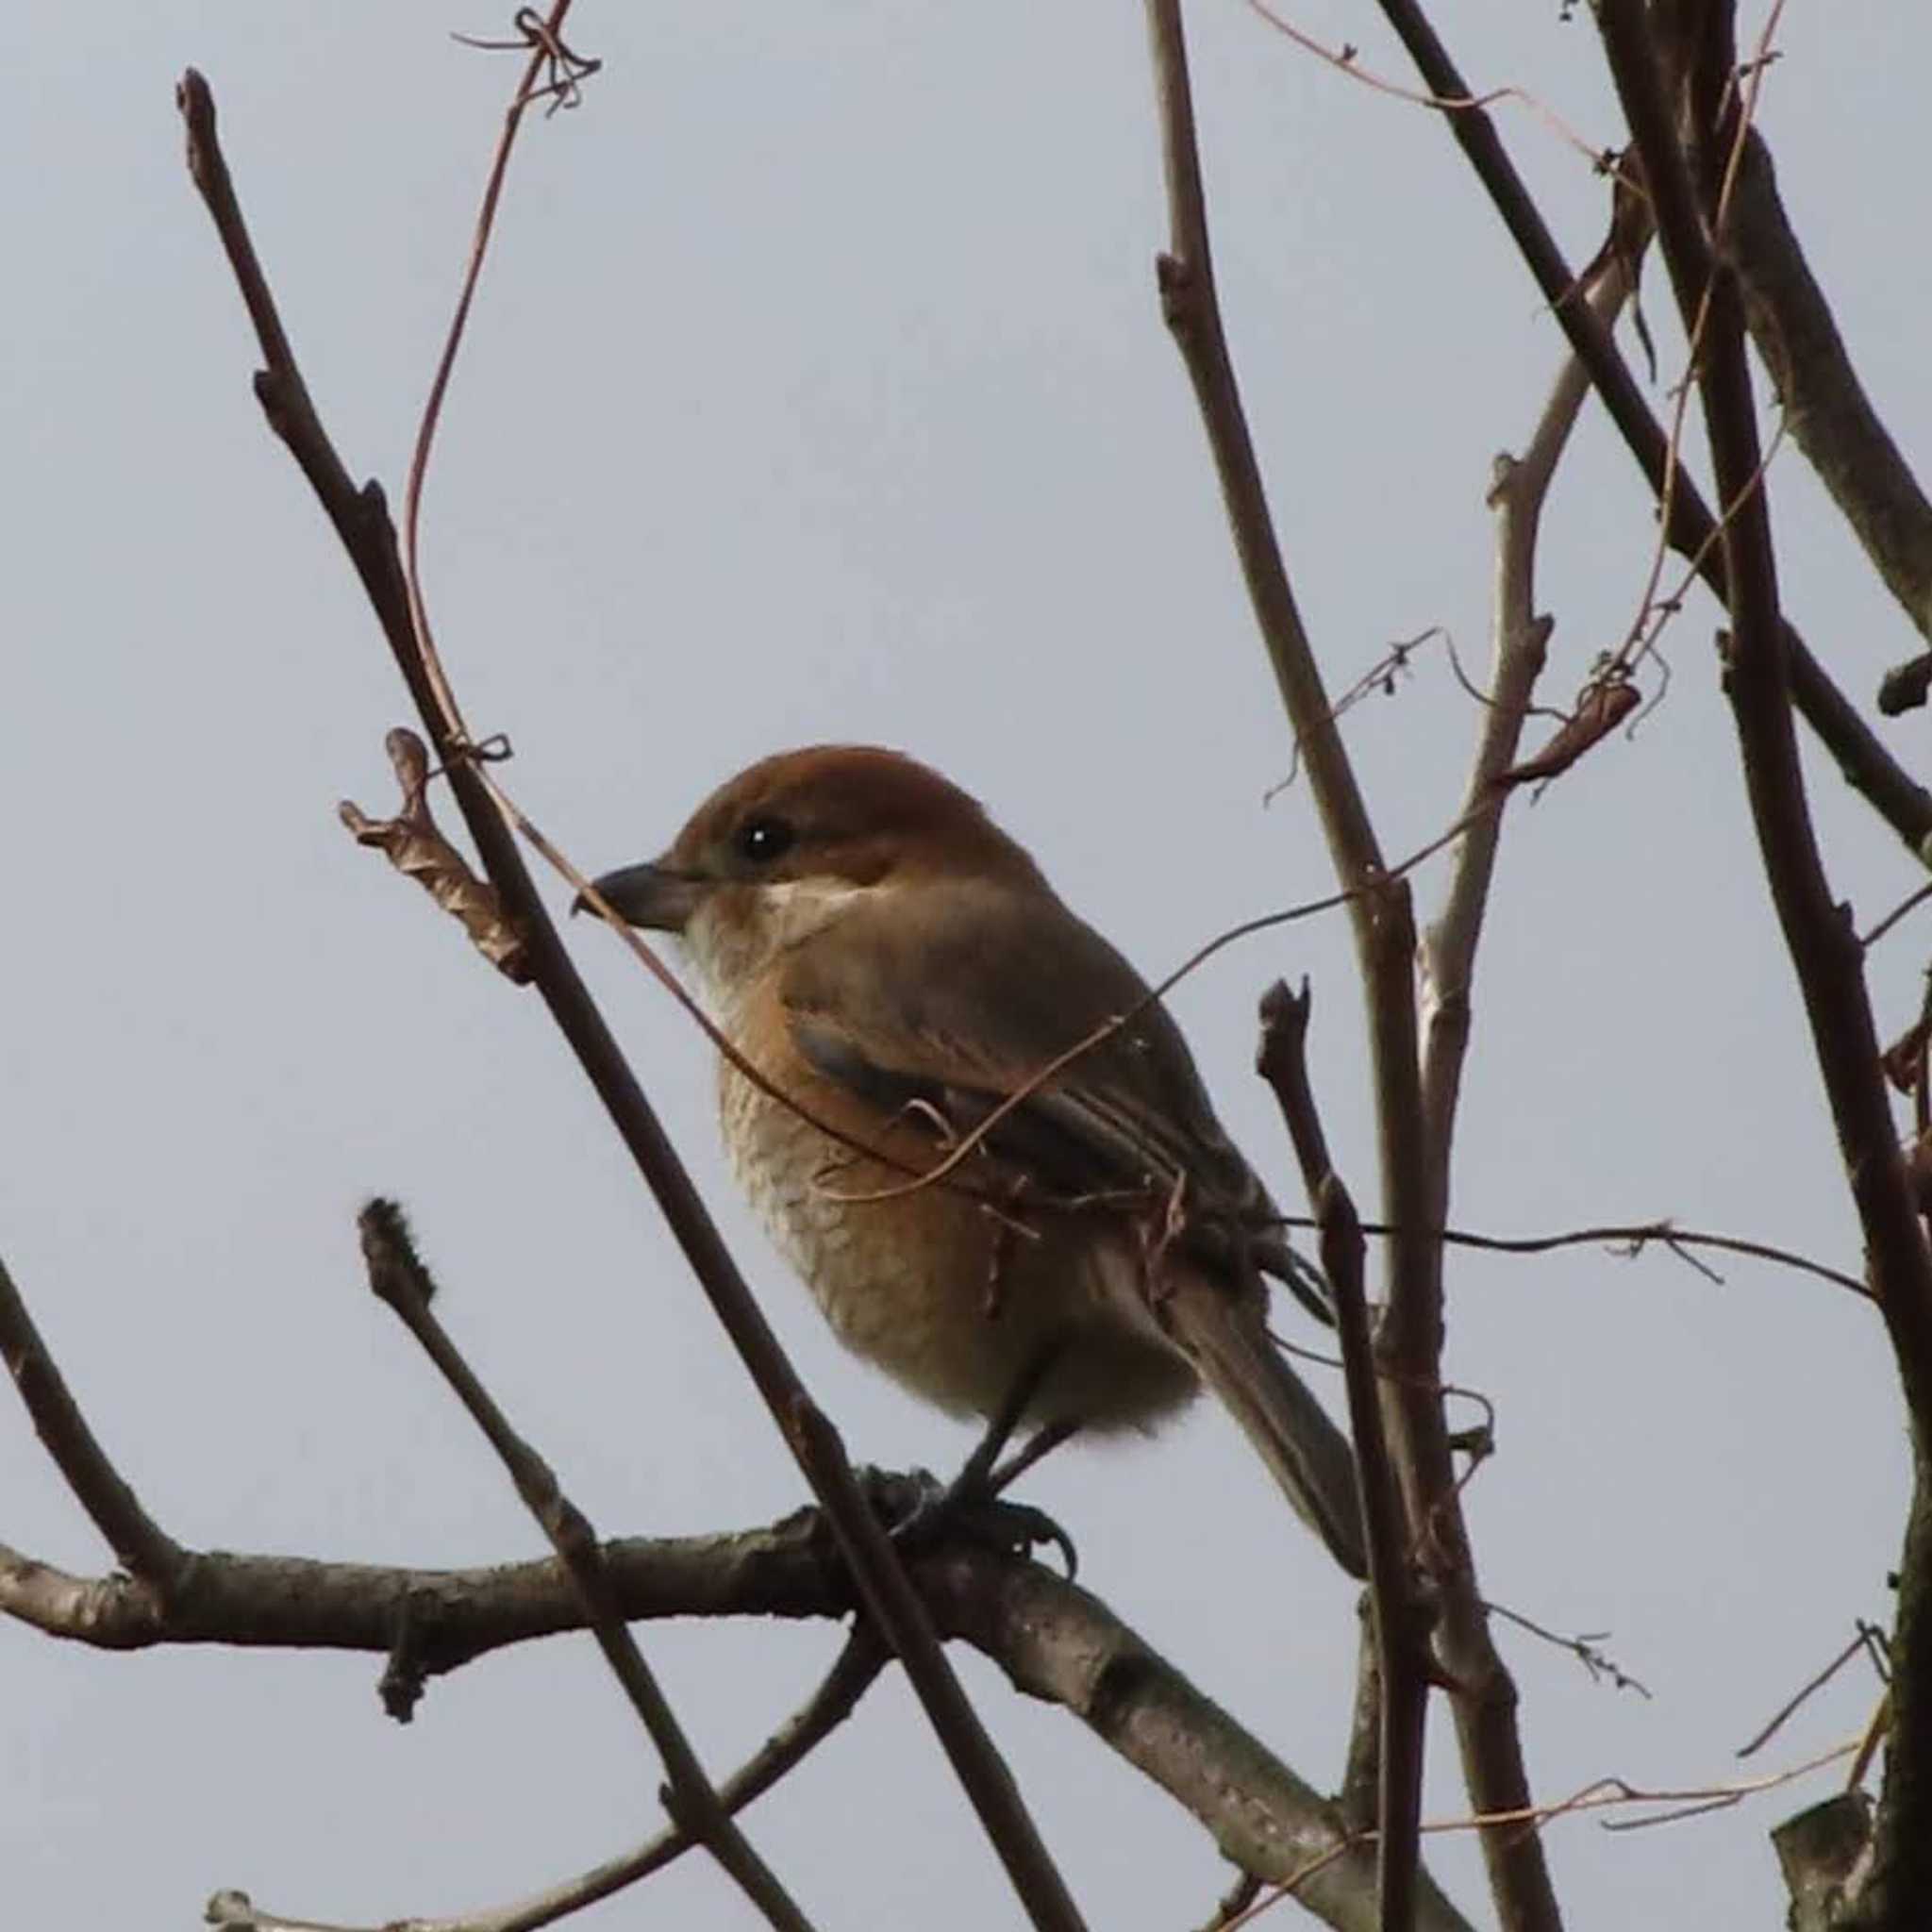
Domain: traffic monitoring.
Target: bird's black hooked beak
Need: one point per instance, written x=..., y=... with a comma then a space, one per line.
x=653, y=897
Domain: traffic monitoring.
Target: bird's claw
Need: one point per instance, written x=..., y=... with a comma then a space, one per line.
x=941, y=1512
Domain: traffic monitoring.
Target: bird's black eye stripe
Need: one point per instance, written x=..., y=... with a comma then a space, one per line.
x=764, y=839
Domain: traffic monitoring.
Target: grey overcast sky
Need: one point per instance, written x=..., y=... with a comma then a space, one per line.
x=817, y=389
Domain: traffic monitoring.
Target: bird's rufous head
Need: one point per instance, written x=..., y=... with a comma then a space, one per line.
x=782, y=850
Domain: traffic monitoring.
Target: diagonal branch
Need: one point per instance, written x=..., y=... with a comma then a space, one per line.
x=1824, y=950
x=1402, y=1615
x=1830, y=415
x=1055, y=1641
x=1193, y=310
x=153, y=1560
x=837, y=1696
x=1863, y=760
x=1378, y=901
x=1378, y=904
x=1408, y=1340
x=1494, y=1767
x=1521, y=639
x=361, y=521
x=403, y=1284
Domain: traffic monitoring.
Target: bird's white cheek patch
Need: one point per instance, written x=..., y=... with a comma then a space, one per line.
x=726, y=954
x=795, y=910
x=719, y=973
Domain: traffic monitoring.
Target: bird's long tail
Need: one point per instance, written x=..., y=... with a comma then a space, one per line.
x=1225, y=1336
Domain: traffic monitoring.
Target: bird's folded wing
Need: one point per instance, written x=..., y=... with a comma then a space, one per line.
x=967, y=1005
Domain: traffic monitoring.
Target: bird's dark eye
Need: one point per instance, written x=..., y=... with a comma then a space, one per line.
x=764, y=839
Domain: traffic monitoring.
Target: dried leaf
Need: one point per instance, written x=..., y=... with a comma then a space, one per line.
x=1919, y=1171
x=418, y=850
x=1632, y=226
x=1901, y=1059
x=1600, y=706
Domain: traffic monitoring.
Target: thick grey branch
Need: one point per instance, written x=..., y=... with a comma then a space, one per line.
x=1831, y=417
x=1053, y=1641
x=1824, y=1853
x=1059, y=1643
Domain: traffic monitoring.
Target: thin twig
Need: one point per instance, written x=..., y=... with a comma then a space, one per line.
x=1379, y=908
x=1241, y=1895
x=1601, y=1794
x=1633, y=1238
x=837, y=1696
x=1584, y=1647
x=544, y=37
x=1520, y=640
x=965, y=1144
x=1865, y=760
x=1344, y=62
x=151, y=1555
x=402, y=1285
x=1909, y=903
x=1403, y=1616
x=1643, y=634
x=1381, y=675
x=1860, y=1641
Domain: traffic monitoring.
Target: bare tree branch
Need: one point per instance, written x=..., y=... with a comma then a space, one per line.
x=1521, y=636
x=1378, y=903
x=1633, y=1237
x=361, y=521
x=154, y=1559
x=402, y=1284
x=1402, y=1614
x=455, y=1616
x=1863, y=760
x=1824, y=949
x=1058, y=1642
x=837, y=1696
x=1408, y=1340
x=1830, y=415
x=1055, y=1641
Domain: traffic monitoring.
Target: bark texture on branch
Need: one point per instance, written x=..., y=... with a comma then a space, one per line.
x=1053, y=1641
x=1830, y=415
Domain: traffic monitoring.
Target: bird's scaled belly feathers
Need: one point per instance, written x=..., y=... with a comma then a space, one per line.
x=934, y=1287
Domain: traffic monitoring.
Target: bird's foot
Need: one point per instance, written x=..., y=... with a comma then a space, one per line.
x=920, y=1513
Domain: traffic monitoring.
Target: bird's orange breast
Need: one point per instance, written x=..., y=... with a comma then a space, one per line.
x=952, y=1295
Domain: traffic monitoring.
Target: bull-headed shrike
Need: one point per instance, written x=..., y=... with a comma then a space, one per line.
x=896, y=969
